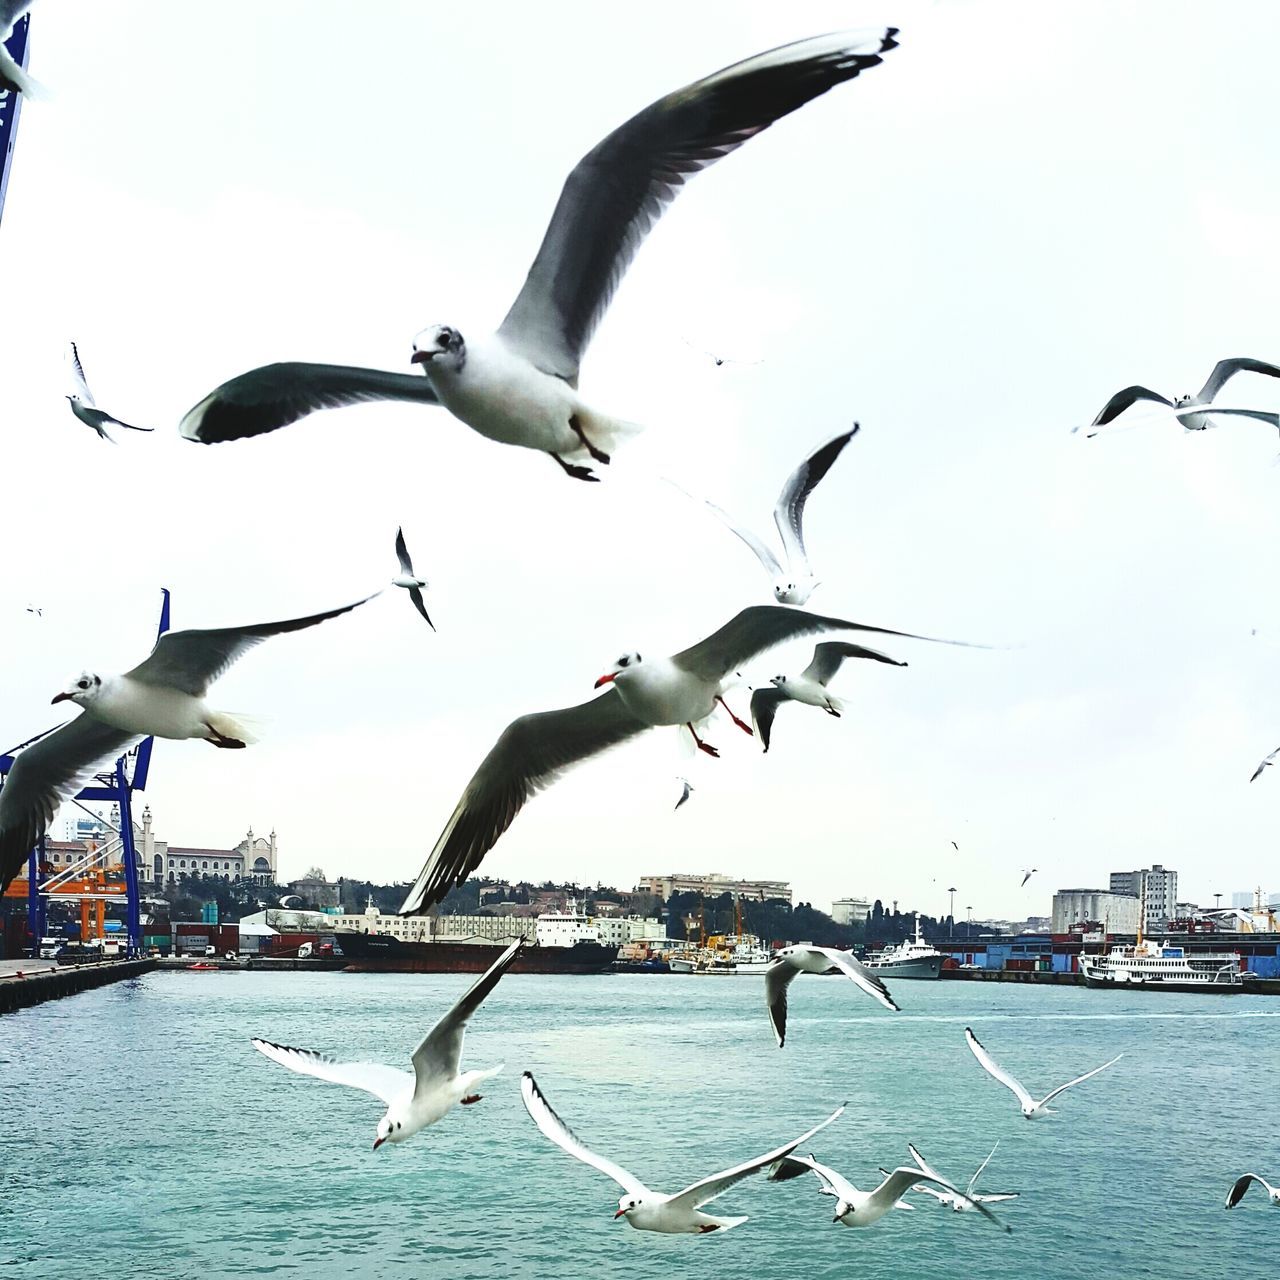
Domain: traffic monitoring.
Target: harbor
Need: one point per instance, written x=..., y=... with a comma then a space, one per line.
x=24, y=983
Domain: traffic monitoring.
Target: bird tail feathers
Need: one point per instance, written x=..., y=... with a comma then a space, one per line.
x=237, y=725
x=605, y=433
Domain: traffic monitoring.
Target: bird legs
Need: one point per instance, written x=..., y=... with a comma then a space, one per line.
x=221, y=740
x=576, y=473
x=702, y=746
x=470, y=1098
x=598, y=454
x=742, y=724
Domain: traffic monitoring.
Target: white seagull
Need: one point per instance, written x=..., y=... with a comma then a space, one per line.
x=1031, y=1109
x=791, y=961
x=162, y=696
x=686, y=793
x=424, y=1095
x=82, y=402
x=810, y=686
x=647, y=1210
x=1027, y=874
x=1193, y=421
x=1241, y=1185
x=520, y=386
x=795, y=583
x=960, y=1203
x=535, y=750
x=1266, y=763
x=407, y=579
x=857, y=1208
x=13, y=79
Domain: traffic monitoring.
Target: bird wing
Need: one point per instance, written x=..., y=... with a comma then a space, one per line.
x=1122, y=400
x=1241, y=1185
x=699, y=1193
x=387, y=1083
x=777, y=978
x=531, y=754
x=764, y=706
x=44, y=776
x=925, y=1167
x=402, y=554
x=903, y=1180
x=79, y=384
x=828, y=656
x=1049, y=1097
x=415, y=594
x=973, y=1182
x=554, y=1128
x=760, y=627
x=1261, y=415
x=788, y=515
x=1266, y=761
x=993, y=1068
x=762, y=552
x=620, y=188
x=192, y=660
x=438, y=1055
x=833, y=1183
x=684, y=795
x=1026, y=875
x=862, y=977
x=1227, y=369
x=275, y=395
x=10, y=12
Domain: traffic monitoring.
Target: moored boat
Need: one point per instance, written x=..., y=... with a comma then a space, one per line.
x=1161, y=966
x=914, y=958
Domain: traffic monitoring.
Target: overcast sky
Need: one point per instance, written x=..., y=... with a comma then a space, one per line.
x=967, y=249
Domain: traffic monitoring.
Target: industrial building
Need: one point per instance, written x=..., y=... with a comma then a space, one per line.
x=1157, y=886
x=1115, y=912
x=713, y=885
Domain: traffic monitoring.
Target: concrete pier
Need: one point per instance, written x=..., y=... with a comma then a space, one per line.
x=27, y=982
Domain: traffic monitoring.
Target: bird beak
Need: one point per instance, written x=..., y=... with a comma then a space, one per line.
x=377, y=1142
x=619, y=1214
x=609, y=679
x=421, y=357
x=62, y=697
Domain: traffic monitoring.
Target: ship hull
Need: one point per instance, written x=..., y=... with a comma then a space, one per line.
x=1115, y=982
x=378, y=953
x=920, y=967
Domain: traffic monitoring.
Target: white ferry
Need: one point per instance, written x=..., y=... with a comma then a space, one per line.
x=1158, y=966
x=914, y=958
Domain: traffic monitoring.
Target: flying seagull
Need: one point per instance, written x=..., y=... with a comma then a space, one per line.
x=1267, y=762
x=647, y=1210
x=791, y=961
x=1026, y=875
x=718, y=361
x=13, y=79
x=810, y=685
x=971, y=1199
x=408, y=579
x=1241, y=1185
x=162, y=696
x=955, y=846
x=426, y=1094
x=535, y=749
x=857, y=1208
x=1031, y=1109
x=1222, y=372
x=795, y=583
x=686, y=793
x=82, y=402
x=520, y=386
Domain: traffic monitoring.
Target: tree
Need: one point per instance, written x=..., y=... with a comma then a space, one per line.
x=315, y=873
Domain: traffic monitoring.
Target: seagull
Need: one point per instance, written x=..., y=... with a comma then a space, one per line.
x=1267, y=761
x=1026, y=875
x=810, y=685
x=796, y=583
x=162, y=696
x=1222, y=372
x=718, y=361
x=647, y=1210
x=686, y=793
x=960, y=1203
x=33, y=609
x=1241, y=1185
x=408, y=579
x=82, y=401
x=535, y=749
x=519, y=386
x=857, y=1208
x=791, y=961
x=955, y=846
x=13, y=79
x=1031, y=1109
x=421, y=1097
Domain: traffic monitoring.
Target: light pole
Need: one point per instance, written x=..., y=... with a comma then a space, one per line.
x=1217, y=901
x=951, y=915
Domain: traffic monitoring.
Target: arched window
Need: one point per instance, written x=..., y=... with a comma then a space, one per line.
x=183, y=863
x=205, y=864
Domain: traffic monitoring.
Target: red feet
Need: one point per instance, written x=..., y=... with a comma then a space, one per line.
x=742, y=724
x=702, y=746
x=470, y=1098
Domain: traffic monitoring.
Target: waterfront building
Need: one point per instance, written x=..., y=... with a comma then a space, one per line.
x=850, y=910
x=1157, y=885
x=316, y=890
x=713, y=885
x=1116, y=912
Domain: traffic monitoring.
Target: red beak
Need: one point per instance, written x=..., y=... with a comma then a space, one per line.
x=619, y=1214
x=62, y=697
x=609, y=679
x=377, y=1142
x=421, y=357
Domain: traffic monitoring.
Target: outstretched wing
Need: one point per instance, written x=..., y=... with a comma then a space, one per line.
x=1241, y=1185
x=387, y=1083
x=788, y=515
x=828, y=657
x=764, y=706
x=193, y=660
x=621, y=187
x=1227, y=369
x=1265, y=761
x=973, y=1182
x=762, y=553
x=1049, y=1097
x=1122, y=400
x=532, y=753
x=79, y=384
x=777, y=978
x=832, y=1183
x=861, y=976
x=554, y=1128
x=275, y=395
x=402, y=554
x=900, y=1181
x=992, y=1068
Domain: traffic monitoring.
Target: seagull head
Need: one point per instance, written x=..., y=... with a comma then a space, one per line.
x=628, y=662
x=440, y=346
x=780, y=681
x=626, y=1207
x=842, y=1207
x=388, y=1128
x=785, y=591
x=83, y=690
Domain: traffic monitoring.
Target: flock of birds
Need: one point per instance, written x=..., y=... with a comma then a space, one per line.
x=519, y=387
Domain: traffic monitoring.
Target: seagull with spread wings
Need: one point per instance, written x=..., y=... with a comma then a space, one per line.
x=790, y=962
x=1031, y=1109
x=959, y=1203
x=520, y=386
x=1265, y=763
x=409, y=580
x=83, y=405
x=1244, y=1182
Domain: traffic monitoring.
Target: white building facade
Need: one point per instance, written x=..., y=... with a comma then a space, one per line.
x=713, y=885
x=850, y=910
x=1158, y=885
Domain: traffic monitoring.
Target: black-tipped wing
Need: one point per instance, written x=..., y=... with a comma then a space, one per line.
x=684, y=794
x=764, y=706
x=275, y=395
x=828, y=656
x=439, y=1054
x=47, y=774
x=79, y=383
x=1122, y=400
x=1241, y=1185
x=777, y=978
x=788, y=515
x=402, y=555
x=1265, y=761
x=621, y=187
x=387, y=1083
x=1225, y=370
x=762, y=626
x=531, y=754
x=415, y=594
x=192, y=660
x=860, y=976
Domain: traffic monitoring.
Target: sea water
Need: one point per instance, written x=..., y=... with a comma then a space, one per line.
x=142, y=1136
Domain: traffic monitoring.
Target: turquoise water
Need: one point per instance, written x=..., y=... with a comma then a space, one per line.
x=144, y=1137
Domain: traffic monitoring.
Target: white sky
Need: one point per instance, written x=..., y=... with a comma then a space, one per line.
x=968, y=249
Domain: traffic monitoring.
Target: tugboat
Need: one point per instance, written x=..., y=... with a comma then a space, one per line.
x=914, y=958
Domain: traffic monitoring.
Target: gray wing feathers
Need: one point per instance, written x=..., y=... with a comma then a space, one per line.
x=778, y=977
x=621, y=187
x=788, y=515
x=827, y=659
x=402, y=554
x=1122, y=400
x=1224, y=370
x=764, y=706
x=530, y=754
